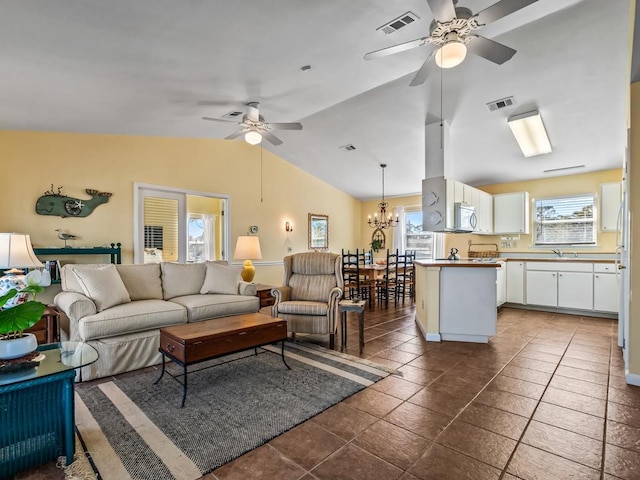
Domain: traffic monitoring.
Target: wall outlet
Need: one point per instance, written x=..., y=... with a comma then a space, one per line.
x=288, y=249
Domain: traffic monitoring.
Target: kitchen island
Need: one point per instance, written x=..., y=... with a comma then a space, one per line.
x=456, y=299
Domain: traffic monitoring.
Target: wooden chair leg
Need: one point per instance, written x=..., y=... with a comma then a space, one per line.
x=332, y=340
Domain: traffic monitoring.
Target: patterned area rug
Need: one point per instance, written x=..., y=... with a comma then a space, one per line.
x=134, y=429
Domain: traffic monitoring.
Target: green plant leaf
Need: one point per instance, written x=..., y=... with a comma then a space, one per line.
x=20, y=317
x=7, y=296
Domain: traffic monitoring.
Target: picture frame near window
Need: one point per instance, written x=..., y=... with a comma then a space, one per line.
x=318, y=231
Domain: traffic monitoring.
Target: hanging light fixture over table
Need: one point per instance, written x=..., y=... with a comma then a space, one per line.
x=385, y=219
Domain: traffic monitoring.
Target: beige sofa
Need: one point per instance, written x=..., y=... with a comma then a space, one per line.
x=119, y=309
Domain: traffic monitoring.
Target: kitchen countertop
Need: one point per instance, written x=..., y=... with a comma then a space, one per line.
x=559, y=259
x=460, y=263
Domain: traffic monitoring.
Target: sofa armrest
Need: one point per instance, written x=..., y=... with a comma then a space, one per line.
x=74, y=306
x=247, y=289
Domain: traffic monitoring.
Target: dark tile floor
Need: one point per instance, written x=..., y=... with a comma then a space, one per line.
x=545, y=399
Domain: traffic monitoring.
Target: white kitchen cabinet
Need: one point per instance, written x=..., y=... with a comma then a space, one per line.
x=501, y=283
x=610, y=197
x=542, y=288
x=606, y=288
x=511, y=213
x=575, y=290
x=560, y=284
x=515, y=282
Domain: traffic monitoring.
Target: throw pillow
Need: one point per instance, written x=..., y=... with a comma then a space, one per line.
x=103, y=285
x=142, y=281
x=221, y=279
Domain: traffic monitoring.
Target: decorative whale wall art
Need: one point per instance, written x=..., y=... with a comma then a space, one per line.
x=58, y=204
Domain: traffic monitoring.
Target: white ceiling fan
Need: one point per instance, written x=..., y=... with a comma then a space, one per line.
x=450, y=35
x=255, y=128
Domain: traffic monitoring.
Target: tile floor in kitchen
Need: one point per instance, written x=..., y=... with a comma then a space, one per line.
x=545, y=399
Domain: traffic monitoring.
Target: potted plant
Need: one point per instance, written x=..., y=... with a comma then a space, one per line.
x=377, y=244
x=14, y=320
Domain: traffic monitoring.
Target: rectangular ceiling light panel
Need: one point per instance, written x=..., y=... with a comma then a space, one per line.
x=530, y=133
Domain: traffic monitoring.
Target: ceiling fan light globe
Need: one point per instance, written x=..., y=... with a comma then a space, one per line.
x=253, y=137
x=451, y=54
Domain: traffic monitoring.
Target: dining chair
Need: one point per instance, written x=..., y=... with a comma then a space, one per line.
x=386, y=287
x=405, y=277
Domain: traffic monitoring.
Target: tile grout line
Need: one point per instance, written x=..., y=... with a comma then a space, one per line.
x=606, y=413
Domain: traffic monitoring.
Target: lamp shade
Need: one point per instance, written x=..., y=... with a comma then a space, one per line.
x=248, y=248
x=452, y=53
x=16, y=251
x=252, y=137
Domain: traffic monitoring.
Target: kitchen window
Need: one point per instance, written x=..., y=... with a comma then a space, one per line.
x=425, y=244
x=567, y=220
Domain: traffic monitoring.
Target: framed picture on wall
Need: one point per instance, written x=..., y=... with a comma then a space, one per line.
x=318, y=231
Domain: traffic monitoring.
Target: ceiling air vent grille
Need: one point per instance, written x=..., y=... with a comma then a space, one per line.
x=348, y=148
x=234, y=114
x=502, y=103
x=396, y=24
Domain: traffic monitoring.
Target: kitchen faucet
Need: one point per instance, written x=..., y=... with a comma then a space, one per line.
x=558, y=252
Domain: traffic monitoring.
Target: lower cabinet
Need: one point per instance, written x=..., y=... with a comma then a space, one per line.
x=515, y=282
x=606, y=289
x=575, y=290
x=542, y=288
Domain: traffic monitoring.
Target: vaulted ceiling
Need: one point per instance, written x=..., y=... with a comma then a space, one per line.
x=155, y=67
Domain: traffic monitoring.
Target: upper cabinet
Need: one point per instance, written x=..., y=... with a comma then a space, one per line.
x=511, y=213
x=610, y=198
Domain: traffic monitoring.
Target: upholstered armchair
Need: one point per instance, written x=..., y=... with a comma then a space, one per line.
x=308, y=299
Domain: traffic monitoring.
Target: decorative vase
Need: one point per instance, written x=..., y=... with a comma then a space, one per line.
x=18, y=347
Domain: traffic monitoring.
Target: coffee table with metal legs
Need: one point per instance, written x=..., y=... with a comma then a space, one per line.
x=196, y=342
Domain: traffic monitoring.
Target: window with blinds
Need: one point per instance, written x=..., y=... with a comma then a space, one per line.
x=566, y=220
x=415, y=239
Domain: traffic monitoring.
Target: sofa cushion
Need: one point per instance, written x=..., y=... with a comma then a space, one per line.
x=68, y=280
x=103, y=285
x=131, y=317
x=179, y=279
x=203, y=307
x=221, y=279
x=143, y=282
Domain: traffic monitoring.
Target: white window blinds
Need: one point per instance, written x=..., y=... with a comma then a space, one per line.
x=566, y=220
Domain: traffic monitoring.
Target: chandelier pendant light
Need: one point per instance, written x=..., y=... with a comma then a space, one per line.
x=382, y=219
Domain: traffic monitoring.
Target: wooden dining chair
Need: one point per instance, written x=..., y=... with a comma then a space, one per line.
x=386, y=286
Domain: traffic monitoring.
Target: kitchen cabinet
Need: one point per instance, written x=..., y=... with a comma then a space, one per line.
x=511, y=213
x=501, y=283
x=485, y=212
x=610, y=198
x=515, y=282
x=606, y=288
x=560, y=284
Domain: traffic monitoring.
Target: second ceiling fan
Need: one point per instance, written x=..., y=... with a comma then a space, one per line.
x=450, y=35
x=254, y=127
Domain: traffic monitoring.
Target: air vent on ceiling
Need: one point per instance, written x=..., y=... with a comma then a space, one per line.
x=233, y=114
x=348, y=148
x=396, y=24
x=502, y=103
x=551, y=170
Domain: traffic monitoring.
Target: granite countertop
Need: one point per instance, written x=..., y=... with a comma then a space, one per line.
x=559, y=259
x=466, y=262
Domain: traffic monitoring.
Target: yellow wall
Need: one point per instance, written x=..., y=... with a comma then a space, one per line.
x=112, y=163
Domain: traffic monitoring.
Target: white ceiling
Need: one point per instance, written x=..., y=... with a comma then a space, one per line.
x=141, y=67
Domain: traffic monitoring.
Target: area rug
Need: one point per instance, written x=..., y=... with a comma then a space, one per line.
x=132, y=428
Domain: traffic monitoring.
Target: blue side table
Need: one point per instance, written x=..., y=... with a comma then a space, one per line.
x=37, y=409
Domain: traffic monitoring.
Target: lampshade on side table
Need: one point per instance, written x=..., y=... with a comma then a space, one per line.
x=247, y=249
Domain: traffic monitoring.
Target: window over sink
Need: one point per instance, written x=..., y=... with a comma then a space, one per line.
x=566, y=220
x=425, y=244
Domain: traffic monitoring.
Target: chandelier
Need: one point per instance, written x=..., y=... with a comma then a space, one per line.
x=385, y=219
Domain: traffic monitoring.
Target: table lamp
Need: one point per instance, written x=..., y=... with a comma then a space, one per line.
x=16, y=253
x=247, y=249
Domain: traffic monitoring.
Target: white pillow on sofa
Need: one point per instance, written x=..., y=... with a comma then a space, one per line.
x=103, y=285
x=221, y=279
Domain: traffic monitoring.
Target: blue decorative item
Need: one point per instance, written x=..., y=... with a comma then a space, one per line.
x=55, y=203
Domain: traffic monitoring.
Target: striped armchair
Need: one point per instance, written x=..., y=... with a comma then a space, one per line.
x=309, y=298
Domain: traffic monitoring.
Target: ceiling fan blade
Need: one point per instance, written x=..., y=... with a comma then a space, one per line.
x=421, y=74
x=401, y=47
x=234, y=135
x=285, y=126
x=489, y=49
x=271, y=138
x=219, y=120
x=501, y=9
x=443, y=10
x=253, y=113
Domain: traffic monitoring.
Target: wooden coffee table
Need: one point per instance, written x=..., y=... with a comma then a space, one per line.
x=199, y=341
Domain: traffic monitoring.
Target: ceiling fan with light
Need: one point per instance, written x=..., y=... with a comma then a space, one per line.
x=450, y=35
x=254, y=128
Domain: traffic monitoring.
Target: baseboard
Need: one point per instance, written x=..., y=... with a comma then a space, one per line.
x=457, y=337
x=633, y=379
x=433, y=337
x=568, y=311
